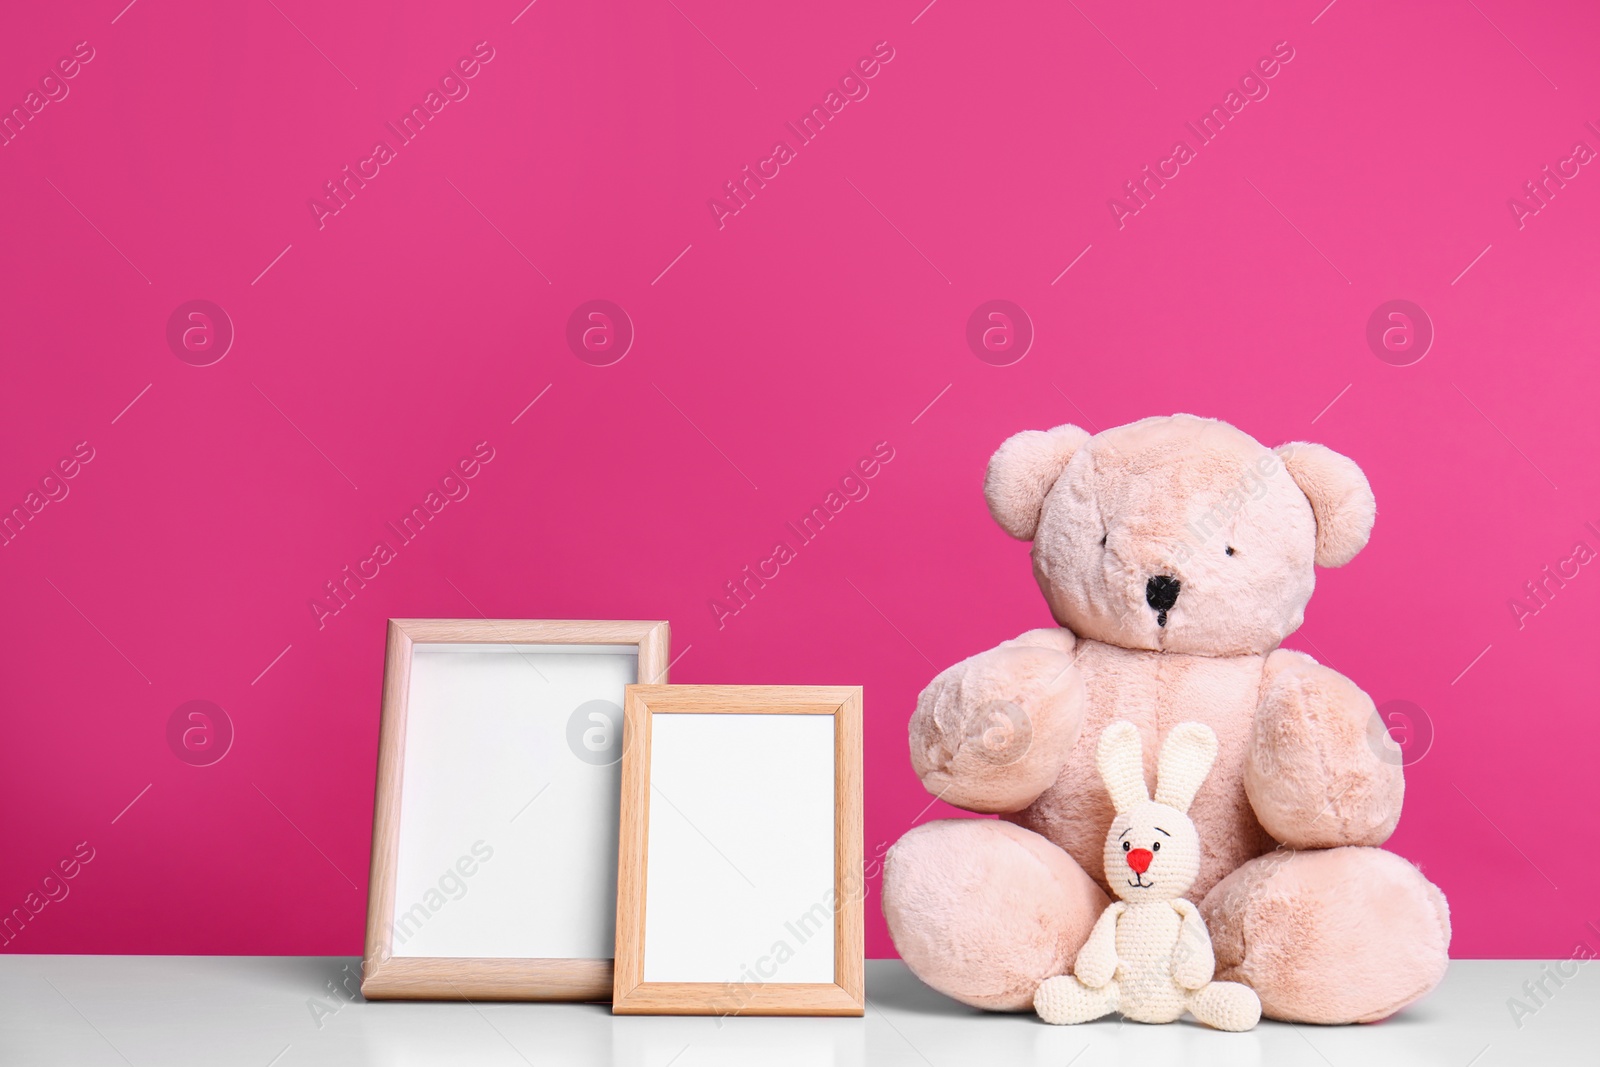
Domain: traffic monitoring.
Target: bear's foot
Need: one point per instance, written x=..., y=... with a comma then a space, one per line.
x=984, y=911
x=1342, y=935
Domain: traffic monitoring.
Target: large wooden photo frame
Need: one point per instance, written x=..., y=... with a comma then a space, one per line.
x=741, y=842
x=494, y=842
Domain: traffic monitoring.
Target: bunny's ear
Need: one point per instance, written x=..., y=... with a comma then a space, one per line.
x=1120, y=758
x=1186, y=759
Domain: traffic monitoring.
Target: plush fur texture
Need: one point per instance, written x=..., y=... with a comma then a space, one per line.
x=1038, y=906
x=1022, y=472
x=1299, y=762
x=1149, y=955
x=1370, y=921
x=974, y=739
x=1321, y=770
x=1340, y=498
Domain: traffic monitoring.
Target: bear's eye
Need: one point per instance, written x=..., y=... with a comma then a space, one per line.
x=1126, y=845
x=1230, y=550
x=1156, y=847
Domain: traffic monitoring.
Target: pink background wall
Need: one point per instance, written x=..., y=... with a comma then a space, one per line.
x=375, y=351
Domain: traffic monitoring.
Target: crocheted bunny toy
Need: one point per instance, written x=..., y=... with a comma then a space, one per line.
x=1149, y=955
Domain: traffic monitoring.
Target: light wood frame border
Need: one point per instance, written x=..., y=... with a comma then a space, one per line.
x=846, y=994
x=384, y=976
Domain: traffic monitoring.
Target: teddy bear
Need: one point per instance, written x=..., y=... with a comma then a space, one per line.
x=1175, y=555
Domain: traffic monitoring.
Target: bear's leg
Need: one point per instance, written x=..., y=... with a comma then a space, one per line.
x=1341, y=935
x=983, y=910
x=1226, y=1006
x=1064, y=1000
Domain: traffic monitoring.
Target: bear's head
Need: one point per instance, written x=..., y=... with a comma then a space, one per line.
x=1178, y=534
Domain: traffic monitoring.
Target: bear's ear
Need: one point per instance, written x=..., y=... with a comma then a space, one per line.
x=1021, y=473
x=1340, y=498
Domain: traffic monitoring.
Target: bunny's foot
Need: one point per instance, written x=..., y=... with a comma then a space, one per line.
x=1065, y=1000
x=1226, y=1006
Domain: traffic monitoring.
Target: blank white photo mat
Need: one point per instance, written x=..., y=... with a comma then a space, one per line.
x=739, y=874
x=509, y=801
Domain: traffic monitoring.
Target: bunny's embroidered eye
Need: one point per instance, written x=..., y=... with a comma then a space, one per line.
x=1230, y=550
x=1103, y=539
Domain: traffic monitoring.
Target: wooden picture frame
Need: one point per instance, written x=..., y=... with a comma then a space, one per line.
x=446, y=682
x=650, y=712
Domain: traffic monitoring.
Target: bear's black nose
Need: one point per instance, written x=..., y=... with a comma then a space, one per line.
x=1161, y=592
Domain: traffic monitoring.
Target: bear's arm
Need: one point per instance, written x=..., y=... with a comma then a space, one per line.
x=992, y=732
x=1321, y=770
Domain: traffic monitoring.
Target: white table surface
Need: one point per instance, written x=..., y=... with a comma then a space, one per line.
x=259, y=1011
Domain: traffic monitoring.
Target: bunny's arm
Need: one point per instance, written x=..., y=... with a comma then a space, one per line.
x=1193, y=962
x=992, y=732
x=1321, y=770
x=1097, y=959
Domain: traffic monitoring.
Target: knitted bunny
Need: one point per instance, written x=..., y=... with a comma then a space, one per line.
x=1149, y=955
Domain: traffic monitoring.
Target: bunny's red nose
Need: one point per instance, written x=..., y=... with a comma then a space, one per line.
x=1139, y=859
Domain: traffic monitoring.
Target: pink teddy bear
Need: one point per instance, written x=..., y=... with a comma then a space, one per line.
x=1176, y=554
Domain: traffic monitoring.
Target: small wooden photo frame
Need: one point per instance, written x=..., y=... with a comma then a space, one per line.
x=494, y=839
x=739, y=877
